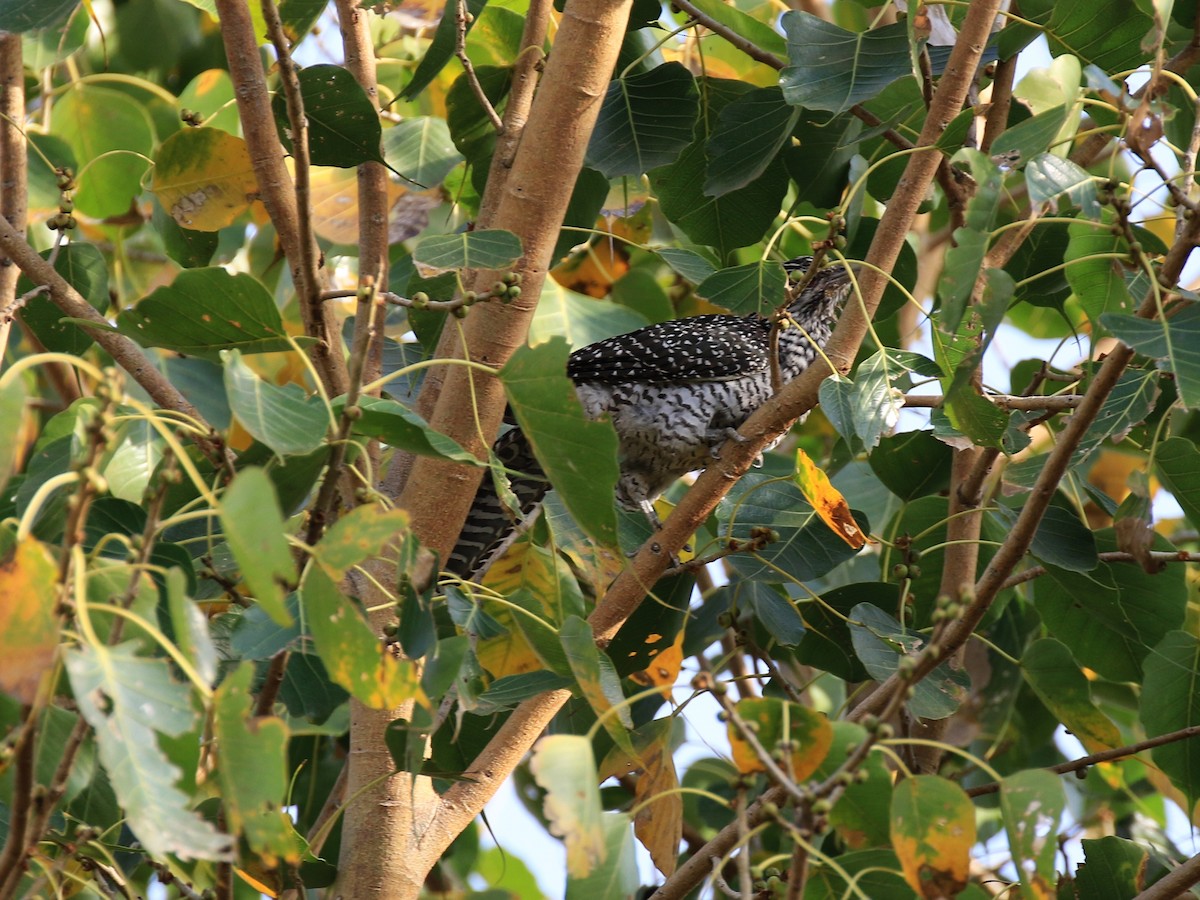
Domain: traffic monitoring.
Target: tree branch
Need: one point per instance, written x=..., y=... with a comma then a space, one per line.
x=277, y=190
x=1085, y=762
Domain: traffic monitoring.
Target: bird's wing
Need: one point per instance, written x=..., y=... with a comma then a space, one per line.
x=698, y=348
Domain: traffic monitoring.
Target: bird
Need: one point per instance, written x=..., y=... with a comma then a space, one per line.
x=674, y=391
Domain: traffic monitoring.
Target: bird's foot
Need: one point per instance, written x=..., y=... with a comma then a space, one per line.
x=718, y=436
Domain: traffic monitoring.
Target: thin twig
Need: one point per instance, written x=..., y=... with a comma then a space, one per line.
x=1085, y=762
x=460, y=50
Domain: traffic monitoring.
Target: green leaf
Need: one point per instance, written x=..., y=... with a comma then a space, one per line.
x=1063, y=540
x=617, y=876
x=128, y=700
x=487, y=249
x=26, y=15
x=470, y=127
x=1095, y=276
x=1176, y=340
x=421, y=148
x=1057, y=680
x=774, y=722
x=137, y=449
x=757, y=287
x=820, y=166
x=826, y=644
x=252, y=770
x=693, y=266
x=861, y=815
x=582, y=320
x=1019, y=144
x=870, y=405
x=400, y=427
x=774, y=610
x=1106, y=33
x=112, y=137
x=1049, y=176
x=84, y=268
x=1113, y=869
x=807, y=548
x=355, y=658
x=359, y=534
x=1032, y=803
x=564, y=767
x=441, y=49
x=12, y=409
x=965, y=256
x=933, y=828
x=833, y=69
x=1170, y=702
x=254, y=528
x=1112, y=616
x=597, y=680
x=750, y=133
x=343, y=124
x=734, y=220
x=578, y=455
x=280, y=417
x=1177, y=462
x=190, y=626
x=865, y=873
x=763, y=35
x=206, y=311
x=912, y=464
x=880, y=642
x=645, y=121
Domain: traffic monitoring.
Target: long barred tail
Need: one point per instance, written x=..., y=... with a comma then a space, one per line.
x=491, y=525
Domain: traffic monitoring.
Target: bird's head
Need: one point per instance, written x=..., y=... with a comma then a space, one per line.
x=822, y=295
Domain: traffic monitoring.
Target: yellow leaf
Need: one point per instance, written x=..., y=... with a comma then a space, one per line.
x=829, y=504
x=664, y=670
x=933, y=830
x=658, y=823
x=203, y=178
x=28, y=620
x=809, y=733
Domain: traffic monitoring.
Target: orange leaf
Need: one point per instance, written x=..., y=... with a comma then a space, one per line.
x=933, y=830
x=659, y=823
x=829, y=504
x=28, y=622
x=809, y=733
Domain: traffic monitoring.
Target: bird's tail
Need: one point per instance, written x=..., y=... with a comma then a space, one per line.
x=492, y=524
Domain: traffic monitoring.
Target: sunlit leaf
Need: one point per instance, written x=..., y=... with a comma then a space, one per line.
x=564, y=767
x=28, y=618
x=361, y=533
x=280, y=417
x=204, y=178
x=112, y=137
x=129, y=700
x=206, y=311
x=825, y=499
x=355, y=658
